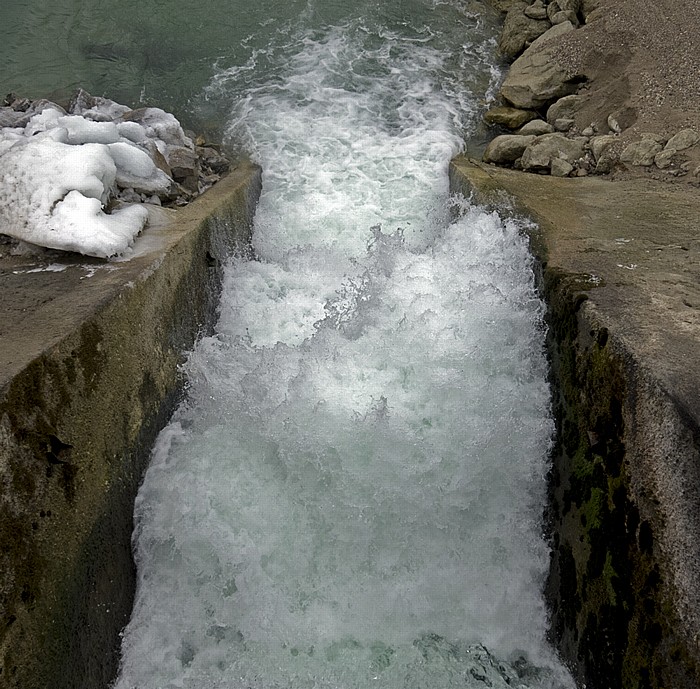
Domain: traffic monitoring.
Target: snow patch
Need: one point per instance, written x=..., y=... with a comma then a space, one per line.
x=59, y=172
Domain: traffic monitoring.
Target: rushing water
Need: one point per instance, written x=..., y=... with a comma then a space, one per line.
x=352, y=494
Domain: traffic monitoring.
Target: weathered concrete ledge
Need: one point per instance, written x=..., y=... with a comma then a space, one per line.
x=88, y=375
x=621, y=275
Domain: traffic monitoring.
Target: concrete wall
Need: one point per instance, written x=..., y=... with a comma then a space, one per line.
x=84, y=389
x=621, y=277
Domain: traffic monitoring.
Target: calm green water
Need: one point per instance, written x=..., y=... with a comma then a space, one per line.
x=152, y=52
x=159, y=52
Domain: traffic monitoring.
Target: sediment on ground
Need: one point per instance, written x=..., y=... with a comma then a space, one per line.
x=599, y=87
x=620, y=273
x=88, y=376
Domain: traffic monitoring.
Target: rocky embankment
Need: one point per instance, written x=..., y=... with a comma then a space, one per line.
x=569, y=105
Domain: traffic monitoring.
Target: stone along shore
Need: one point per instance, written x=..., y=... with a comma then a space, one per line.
x=568, y=108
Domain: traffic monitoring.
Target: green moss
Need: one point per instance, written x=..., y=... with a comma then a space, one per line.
x=592, y=510
x=609, y=574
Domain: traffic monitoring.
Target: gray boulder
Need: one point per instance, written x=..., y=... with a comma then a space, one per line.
x=535, y=79
x=184, y=165
x=641, y=153
x=12, y=118
x=552, y=32
x=569, y=5
x=539, y=154
x=504, y=5
x=519, y=31
x=213, y=160
x=684, y=139
x=563, y=124
x=598, y=144
x=564, y=16
x=588, y=6
x=512, y=118
x=507, y=148
x=536, y=128
x=560, y=168
x=536, y=11
x=565, y=107
x=663, y=159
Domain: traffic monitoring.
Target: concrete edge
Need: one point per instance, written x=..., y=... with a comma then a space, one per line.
x=77, y=422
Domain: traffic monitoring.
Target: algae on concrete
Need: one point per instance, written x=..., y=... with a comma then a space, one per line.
x=88, y=376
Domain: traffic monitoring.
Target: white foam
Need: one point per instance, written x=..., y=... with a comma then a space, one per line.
x=352, y=495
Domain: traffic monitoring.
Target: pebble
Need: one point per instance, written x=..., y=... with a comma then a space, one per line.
x=614, y=125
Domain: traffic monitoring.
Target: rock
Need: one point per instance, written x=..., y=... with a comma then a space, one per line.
x=588, y=131
x=569, y=5
x=535, y=79
x=597, y=13
x=504, y=5
x=565, y=107
x=184, y=165
x=536, y=127
x=684, y=139
x=663, y=159
x=659, y=138
x=613, y=124
x=536, y=11
x=12, y=118
x=506, y=148
x=16, y=103
x=553, y=32
x=564, y=16
x=518, y=31
x=589, y=6
x=539, y=154
x=512, y=118
x=560, y=168
x=95, y=108
x=598, y=144
x=162, y=124
x=213, y=160
x=563, y=124
x=157, y=157
x=640, y=153
x=80, y=101
x=605, y=163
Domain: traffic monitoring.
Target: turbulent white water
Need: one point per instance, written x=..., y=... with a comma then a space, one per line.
x=352, y=495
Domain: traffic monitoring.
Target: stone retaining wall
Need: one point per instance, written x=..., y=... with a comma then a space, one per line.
x=77, y=423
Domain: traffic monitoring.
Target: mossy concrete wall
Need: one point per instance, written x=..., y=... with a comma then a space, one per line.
x=88, y=376
x=620, y=272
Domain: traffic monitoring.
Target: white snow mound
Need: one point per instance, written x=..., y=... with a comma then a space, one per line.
x=59, y=171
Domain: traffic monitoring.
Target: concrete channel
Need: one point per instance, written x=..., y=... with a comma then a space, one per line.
x=89, y=374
